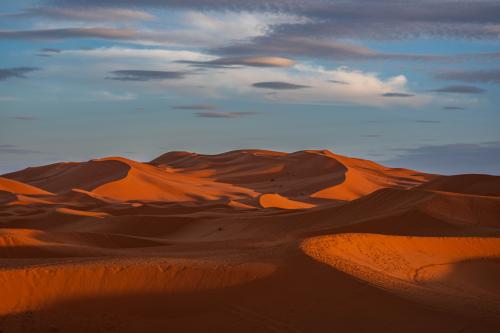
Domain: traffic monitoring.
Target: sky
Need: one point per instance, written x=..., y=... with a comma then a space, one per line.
x=405, y=83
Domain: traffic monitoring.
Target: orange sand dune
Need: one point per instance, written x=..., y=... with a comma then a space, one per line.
x=17, y=187
x=247, y=241
x=278, y=201
x=147, y=183
x=449, y=271
x=318, y=173
x=466, y=184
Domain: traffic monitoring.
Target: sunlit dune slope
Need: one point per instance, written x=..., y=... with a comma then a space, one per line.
x=16, y=187
x=32, y=288
x=452, y=272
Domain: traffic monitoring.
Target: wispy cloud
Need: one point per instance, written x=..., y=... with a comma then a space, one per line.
x=423, y=121
x=397, y=94
x=15, y=150
x=338, y=82
x=65, y=33
x=459, y=89
x=86, y=13
x=354, y=19
x=279, y=85
x=243, y=61
x=224, y=114
x=195, y=107
x=452, y=158
x=18, y=72
x=25, y=117
x=113, y=97
x=453, y=107
x=146, y=75
x=483, y=76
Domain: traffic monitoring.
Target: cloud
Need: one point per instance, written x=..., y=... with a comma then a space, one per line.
x=297, y=46
x=313, y=46
x=195, y=107
x=452, y=107
x=459, y=90
x=483, y=76
x=278, y=85
x=427, y=121
x=65, y=33
x=8, y=98
x=86, y=13
x=15, y=150
x=145, y=75
x=364, y=88
x=397, y=94
x=18, y=72
x=338, y=82
x=108, y=96
x=451, y=158
x=145, y=53
x=357, y=19
x=25, y=118
x=48, y=52
x=243, y=61
x=224, y=114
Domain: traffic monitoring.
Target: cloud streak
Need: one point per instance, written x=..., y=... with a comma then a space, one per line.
x=86, y=13
x=25, y=118
x=195, y=107
x=474, y=76
x=145, y=75
x=16, y=72
x=67, y=33
x=279, y=85
x=397, y=94
x=452, y=158
x=15, y=150
x=224, y=114
x=459, y=89
x=242, y=61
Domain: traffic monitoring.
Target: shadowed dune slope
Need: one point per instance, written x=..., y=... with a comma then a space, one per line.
x=318, y=173
x=466, y=184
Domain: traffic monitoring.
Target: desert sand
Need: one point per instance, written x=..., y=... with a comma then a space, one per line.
x=247, y=241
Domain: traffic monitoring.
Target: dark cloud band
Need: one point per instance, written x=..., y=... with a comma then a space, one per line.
x=278, y=85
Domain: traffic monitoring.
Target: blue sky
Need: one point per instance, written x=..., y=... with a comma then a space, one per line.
x=412, y=84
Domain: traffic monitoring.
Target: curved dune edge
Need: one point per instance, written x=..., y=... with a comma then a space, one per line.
x=16, y=187
x=32, y=288
x=148, y=183
x=278, y=201
x=70, y=211
x=449, y=272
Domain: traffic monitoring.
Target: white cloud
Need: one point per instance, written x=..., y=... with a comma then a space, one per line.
x=158, y=54
x=108, y=96
x=361, y=88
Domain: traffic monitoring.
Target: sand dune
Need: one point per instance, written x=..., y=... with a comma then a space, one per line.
x=278, y=201
x=15, y=187
x=318, y=173
x=247, y=241
x=423, y=268
x=466, y=184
